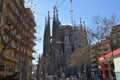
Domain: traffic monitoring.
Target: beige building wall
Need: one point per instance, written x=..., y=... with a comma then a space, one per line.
x=15, y=21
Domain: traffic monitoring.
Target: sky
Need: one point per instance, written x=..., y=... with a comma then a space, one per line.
x=85, y=9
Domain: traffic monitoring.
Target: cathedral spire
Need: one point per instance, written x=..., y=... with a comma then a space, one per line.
x=84, y=24
x=48, y=19
x=48, y=15
x=45, y=26
x=80, y=23
x=46, y=44
x=54, y=14
x=57, y=14
x=85, y=32
x=57, y=19
x=45, y=22
x=84, y=27
x=48, y=24
x=54, y=22
x=74, y=23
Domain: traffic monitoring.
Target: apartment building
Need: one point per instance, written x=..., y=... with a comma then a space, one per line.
x=106, y=48
x=115, y=35
x=17, y=35
x=99, y=49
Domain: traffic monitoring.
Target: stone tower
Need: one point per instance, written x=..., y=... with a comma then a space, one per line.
x=56, y=47
x=46, y=45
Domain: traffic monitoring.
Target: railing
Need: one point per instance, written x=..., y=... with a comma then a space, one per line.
x=10, y=58
x=93, y=59
x=30, y=56
x=94, y=64
x=32, y=42
x=94, y=69
x=5, y=41
x=16, y=4
x=18, y=18
x=11, y=21
x=10, y=33
x=11, y=10
x=14, y=14
x=93, y=55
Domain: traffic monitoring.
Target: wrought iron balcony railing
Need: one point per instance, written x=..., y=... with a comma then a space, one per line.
x=15, y=15
x=16, y=4
x=13, y=35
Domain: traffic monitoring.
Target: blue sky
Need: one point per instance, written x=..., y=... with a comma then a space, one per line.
x=85, y=9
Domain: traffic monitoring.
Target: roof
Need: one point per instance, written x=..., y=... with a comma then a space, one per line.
x=109, y=55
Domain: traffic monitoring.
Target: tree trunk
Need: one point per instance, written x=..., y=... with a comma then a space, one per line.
x=110, y=73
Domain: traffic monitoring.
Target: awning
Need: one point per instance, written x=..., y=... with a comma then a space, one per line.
x=108, y=55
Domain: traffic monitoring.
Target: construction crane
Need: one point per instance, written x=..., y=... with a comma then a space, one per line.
x=71, y=11
x=41, y=14
x=58, y=5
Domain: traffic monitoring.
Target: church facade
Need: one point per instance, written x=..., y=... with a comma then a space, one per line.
x=61, y=44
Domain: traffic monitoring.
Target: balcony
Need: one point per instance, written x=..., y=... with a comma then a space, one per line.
x=34, y=51
x=9, y=44
x=30, y=48
x=12, y=46
x=94, y=69
x=10, y=8
x=94, y=65
x=12, y=22
x=10, y=33
x=31, y=57
x=92, y=55
x=14, y=14
x=5, y=41
x=16, y=4
x=32, y=43
x=93, y=60
x=10, y=58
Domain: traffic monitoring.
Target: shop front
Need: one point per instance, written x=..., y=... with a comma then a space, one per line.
x=113, y=66
x=1, y=68
x=117, y=67
x=9, y=67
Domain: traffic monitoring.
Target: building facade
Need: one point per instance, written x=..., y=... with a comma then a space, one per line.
x=115, y=35
x=106, y=48
x=17, y=35
x=97, y=50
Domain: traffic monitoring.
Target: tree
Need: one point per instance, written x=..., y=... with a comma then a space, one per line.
x=45, y=62
x=38, y=69
x=103, y=26
x=6, y=37
x=80, y=57
x=6, y=44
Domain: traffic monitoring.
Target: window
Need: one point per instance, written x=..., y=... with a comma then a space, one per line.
x=21, y=58
x=66, y=38
x=113, y=35
x=107, y=45
x=17, y=56
x=1, y=4
x=10, y=54
x=118, y=39
x=114, y=41
x=8, y=68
